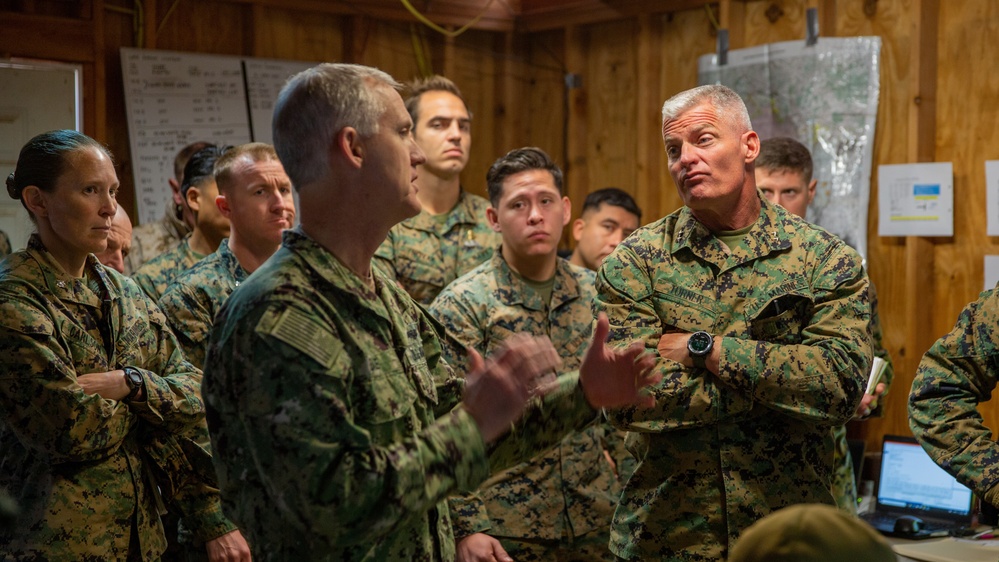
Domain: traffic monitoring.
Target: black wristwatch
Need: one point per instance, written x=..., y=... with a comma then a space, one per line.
x=699, y=347
x=133, y=378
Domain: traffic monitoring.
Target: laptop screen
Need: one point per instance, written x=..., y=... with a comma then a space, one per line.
x=910, y=479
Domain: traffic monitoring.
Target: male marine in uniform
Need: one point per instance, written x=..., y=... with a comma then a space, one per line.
x=255, y=196
x=761, y=323
x=958, y=373
x=338, y=429
x=450, y=235
x=558, y=505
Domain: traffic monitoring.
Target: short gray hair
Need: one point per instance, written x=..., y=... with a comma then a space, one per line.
x=728, y=104
x=315, y=105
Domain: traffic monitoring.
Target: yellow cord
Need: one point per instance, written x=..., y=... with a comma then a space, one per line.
x=423, y=19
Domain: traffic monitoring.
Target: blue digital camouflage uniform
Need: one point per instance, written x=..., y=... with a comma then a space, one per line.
x=957, y=373
x=195, y=297
x=330, y=411
x=154, y=238
x=564, y=492
x=156, y=274
x=76, y=463
x=718, y=452
x=424, y=255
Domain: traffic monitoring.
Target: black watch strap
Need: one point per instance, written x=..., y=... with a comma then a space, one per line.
x=134, y=380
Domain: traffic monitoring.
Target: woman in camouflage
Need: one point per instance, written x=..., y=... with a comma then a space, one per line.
x=93, y=386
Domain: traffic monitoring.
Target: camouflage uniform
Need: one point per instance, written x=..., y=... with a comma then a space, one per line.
x=569, y=490
x=156, y=275
x=152, y=239
x=195, y=297
x=844, y=480
x=77, y=463
x=4, y=244
x=424, y=256
x=957, y=374
x=718, y=452
x=330, y=410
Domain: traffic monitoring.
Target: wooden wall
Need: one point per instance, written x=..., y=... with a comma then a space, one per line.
x=938, y=102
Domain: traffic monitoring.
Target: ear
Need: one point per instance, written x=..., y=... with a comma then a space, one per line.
x=566, y=210
x=493, y=218
x=223, y=205
x=34, y=200
x=811, y=190
x=193, y=197
x=175, y=190
x=577, y=229
x=752, y=142
x=349, y=144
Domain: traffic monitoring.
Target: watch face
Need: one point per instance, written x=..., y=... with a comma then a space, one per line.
x=699, y=343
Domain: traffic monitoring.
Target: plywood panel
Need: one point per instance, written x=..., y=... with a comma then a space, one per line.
x=204, y=27
x=298, y=35
x=788, y=21
x=609, y=81
x=543, y=102
x=685, y=36
x=476, y=71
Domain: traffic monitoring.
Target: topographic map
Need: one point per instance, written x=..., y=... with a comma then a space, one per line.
x=826, y=97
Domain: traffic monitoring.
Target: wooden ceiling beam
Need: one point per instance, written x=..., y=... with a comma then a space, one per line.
x=455, y=13
x=540, y=15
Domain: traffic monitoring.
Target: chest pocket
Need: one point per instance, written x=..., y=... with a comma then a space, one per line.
x=681, y=309
x=782, y=319
x=386, y=396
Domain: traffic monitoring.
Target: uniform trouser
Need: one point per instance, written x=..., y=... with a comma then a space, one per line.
x=591, y=547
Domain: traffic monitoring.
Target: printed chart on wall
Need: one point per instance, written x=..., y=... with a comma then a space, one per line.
x=173, y=99
x=826, y=97
x=916, y=199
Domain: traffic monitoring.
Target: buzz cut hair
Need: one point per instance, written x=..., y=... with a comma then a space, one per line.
x=226, y=164
x=784, y=154
x=318, y=103
x=726, y=102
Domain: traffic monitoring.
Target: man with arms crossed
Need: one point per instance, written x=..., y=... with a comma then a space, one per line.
x=760, y=320
x=558, y=505
x=338, y=430
x=450, y=235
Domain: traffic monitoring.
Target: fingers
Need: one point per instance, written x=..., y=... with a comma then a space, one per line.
x=499, y=553
x=475, y=361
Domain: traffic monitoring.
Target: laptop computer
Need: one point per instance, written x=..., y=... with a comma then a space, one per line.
x=911, y=486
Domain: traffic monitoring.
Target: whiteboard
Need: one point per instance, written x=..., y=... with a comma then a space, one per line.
x=35, y=97
x=174, y=98
x=264, y=80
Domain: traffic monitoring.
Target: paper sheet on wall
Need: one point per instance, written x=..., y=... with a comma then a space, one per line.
x=916, y=199
x=991, y=272
x=992, y=197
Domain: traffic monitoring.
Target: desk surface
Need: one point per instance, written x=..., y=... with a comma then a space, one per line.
x=946, y=549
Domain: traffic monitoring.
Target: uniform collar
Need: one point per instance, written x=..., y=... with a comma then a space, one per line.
x=66, y=287
x=513, y=290
x=230, y=263
x=772, y=231
x=462, y=213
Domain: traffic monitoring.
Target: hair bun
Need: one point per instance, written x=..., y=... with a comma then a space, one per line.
x=12, y=189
